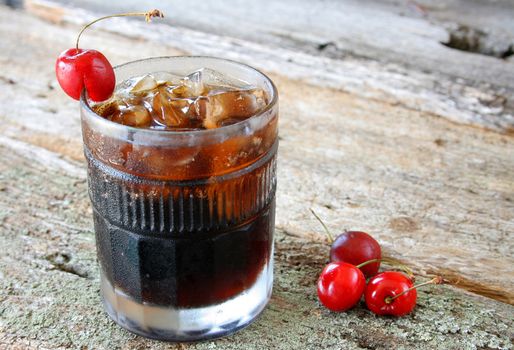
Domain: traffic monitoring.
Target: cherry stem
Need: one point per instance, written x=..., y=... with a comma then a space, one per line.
x=148, y=17
x=403, y=267
x=435, y=280
x=330, y=237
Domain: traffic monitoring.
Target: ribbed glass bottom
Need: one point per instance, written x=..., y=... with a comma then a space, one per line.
x=191, y=324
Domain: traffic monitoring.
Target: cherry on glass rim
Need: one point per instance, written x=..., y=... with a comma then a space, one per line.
x=77, y=69
x=390, y=293
x=340, y=286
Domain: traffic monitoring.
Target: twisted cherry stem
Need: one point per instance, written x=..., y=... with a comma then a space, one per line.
x=148, y=17
x=327, y=231
x=402, y=267
x=435, y=280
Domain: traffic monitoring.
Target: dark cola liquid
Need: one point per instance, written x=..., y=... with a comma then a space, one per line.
x=183, y=245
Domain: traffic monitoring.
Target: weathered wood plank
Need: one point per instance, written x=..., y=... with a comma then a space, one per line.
x=50, y=299
x=388, y=51
x=381, y=166
x=435, y=194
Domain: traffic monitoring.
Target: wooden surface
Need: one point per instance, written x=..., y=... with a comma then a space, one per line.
x=387, y=50
x=386, y=142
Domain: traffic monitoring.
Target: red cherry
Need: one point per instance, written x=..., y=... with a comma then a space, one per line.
x=386, y=285
x=340, y=286
x=356, y=247
x=78, y=68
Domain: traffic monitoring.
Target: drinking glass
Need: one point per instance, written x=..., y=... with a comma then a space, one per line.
x=184, y=220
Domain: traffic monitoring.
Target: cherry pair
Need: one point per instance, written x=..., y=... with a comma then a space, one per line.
x=341, y=286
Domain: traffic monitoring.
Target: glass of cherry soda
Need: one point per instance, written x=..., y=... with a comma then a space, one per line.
x=182, y=179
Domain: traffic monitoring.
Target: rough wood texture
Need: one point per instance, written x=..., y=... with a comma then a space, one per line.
x=388, y=50
x=436, y=194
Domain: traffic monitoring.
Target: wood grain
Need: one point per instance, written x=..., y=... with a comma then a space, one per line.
x=436, y=194
x=49, y=295
x=381, y=166
x=393, y=51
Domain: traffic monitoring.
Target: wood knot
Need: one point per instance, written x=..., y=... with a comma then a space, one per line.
x=403, y=224
x=62, y=262
x=440, y=142
x=469, y=39
x=58, y=258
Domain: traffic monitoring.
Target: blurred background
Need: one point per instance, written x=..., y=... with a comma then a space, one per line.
x=393, y=49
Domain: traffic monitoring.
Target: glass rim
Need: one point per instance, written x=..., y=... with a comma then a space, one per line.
x=203, y=132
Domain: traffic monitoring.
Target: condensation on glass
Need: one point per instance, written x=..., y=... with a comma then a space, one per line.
x=184, y=220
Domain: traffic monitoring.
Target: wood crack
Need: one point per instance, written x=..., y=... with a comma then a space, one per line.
x=61, y=262
x=465, y=38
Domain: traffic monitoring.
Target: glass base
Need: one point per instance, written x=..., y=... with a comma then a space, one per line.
x=192, y=324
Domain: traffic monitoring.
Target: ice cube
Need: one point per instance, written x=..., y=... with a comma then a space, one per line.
x=180, y=91
x=123, y=89
x=228, y=107
x=107, y=108
x=194, y=83
x=167, y=78
x=136, y=115
x=163, y=100
x=218, y=80
x=168, y=110
x=144, y=85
